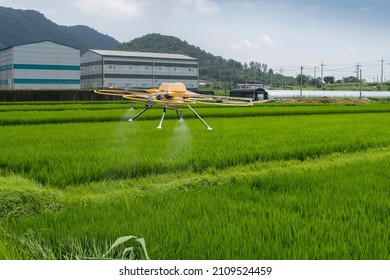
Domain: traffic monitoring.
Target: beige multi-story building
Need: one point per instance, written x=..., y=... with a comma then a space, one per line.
x=137, y=69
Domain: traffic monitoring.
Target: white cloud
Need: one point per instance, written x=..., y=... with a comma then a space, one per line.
x=353, y=51
x=242, y=4
x=263, y=41
x=366, y=9
x=203, y=7
x=284, y=5
x=110, y=8
x=243, y=30
x=267, y=41
x=243, y=44
x=312, y=8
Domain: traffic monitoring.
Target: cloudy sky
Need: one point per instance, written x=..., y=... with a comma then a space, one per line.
x=284, y=34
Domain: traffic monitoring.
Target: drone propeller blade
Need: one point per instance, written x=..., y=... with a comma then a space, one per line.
x=223, y=100
x=111, y=92
x=228, y=102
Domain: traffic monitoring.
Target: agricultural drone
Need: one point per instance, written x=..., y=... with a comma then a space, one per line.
x=172, y=96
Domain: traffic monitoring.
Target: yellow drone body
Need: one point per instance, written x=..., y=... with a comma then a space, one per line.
x=171, y=96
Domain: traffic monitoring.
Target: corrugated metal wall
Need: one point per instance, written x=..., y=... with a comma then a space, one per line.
x=44, y=65
x=326, y=93
x=6, y=63
x=91, y=70
x=136, y=72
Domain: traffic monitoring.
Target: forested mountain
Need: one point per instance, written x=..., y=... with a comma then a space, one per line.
x=26, y=26
x=211, y=67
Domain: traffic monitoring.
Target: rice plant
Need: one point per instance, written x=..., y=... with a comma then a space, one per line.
x=136, y=249
x=303, y=182
x=75, y=153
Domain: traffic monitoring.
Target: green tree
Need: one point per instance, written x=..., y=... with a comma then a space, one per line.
x=329, y=80
x=350, y=79
x=304, y=78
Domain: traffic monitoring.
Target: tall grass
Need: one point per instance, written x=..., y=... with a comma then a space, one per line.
x=305, y=182
x=75, y=153
x=62, y=105
x=65, y=113
x=336, y=207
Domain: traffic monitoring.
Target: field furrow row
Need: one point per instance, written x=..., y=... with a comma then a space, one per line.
x=268, y=182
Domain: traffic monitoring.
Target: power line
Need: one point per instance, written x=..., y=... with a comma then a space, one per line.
x=343, y=68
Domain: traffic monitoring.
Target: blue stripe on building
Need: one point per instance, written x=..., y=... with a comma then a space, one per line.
x=48, y=81
x=46, y=67
x=6, y=67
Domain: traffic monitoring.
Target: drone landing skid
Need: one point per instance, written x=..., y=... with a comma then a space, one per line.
x=148, y=106
x=196, y=114
x=162, y=118
x=178, y=112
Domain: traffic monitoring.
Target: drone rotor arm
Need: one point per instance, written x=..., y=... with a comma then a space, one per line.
x=223, y=100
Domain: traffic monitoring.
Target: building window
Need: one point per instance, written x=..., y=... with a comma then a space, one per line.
x=94, y=68
x=128, y=67
x=111, y=67
x=145, y=68
x=111, y=84
x=161, y=68
x=190, y=69
x=176, y=69
x=129, y=84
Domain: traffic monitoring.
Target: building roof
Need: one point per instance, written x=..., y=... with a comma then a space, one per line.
x=248, y=90
x=37, y=42
x=142, y=54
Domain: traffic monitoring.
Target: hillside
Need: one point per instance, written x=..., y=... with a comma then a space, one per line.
x=211, y=66
x=214, y=68
x=26, y=26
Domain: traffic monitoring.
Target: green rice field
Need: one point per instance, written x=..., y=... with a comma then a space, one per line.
x=273, y=181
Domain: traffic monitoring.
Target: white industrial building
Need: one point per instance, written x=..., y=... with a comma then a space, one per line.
x=40, y=65
x=137, y=69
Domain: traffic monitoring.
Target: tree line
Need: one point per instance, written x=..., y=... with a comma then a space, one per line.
x=222, y=72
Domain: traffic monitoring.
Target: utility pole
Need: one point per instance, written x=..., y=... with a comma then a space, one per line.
x=281, y=73
x=322, y=73
x=315, y=76
x=360, y=82
x=300, y=96
x=254, y=74
x=382, y=70
x=357, y=72
x=220, y=74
